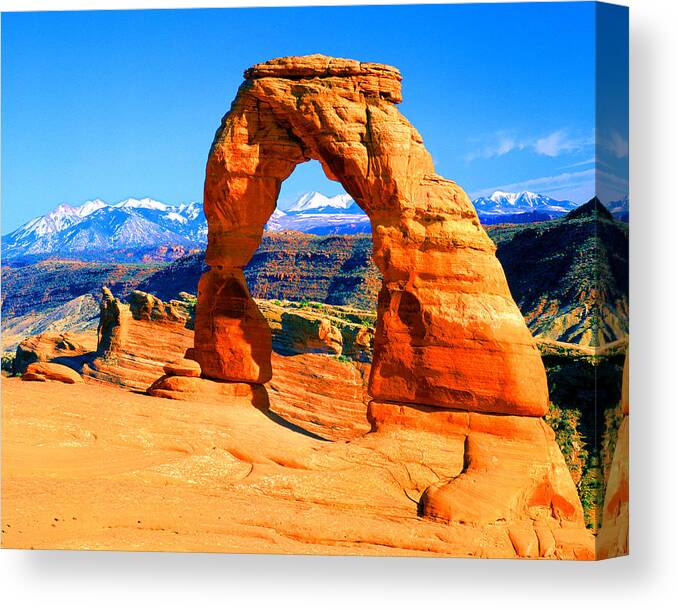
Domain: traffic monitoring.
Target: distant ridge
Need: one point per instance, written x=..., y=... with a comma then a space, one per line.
x=147, y=230
x=592, y=208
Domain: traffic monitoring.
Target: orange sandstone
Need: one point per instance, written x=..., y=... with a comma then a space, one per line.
x=448, y=332
x=613, y=536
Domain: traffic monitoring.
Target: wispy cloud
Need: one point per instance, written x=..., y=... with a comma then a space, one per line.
x=559, y=142
x=589, y=161
x=615, y=143
x=498, y=144
x=552, y=144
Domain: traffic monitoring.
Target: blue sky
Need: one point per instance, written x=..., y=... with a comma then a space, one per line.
x=114, y=104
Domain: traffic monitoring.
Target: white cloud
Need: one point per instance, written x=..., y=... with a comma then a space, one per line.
x=551, y=145
x=556, y=143
x=498, y=144
x=615, y=144
x=589, y=161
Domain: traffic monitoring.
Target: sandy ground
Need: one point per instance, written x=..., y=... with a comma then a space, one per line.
x=95, y=467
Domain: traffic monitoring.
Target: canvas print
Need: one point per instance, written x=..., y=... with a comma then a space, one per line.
x=334, y=280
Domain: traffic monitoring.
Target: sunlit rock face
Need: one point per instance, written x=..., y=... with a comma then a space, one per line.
x=613, y=538
x=455, y=369
x=449, y=333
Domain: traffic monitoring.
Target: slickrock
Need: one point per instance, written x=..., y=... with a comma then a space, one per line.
x=509, y=469
x=51, y=371
x=613, y=536
x=321, y=394
x=449, y=333
x=192, y=476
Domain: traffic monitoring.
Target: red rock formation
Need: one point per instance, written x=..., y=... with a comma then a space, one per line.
x=502, y=469
x=449, y=333
x=613, y=536
x=183, y=367
x=51, y=371
x=142, y=347
x=299, y=330
x=47, y=347
x=136, y=340
x=452, y=355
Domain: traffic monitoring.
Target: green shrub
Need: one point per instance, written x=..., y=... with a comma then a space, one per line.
x=8, y=361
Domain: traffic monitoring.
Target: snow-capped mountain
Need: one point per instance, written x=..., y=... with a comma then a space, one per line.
x=132, y=228
x=96, y=227
x=317, y=203
x=523, y=206
x=320, y=215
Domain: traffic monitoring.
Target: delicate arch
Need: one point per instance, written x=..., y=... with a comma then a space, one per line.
x=448, y=331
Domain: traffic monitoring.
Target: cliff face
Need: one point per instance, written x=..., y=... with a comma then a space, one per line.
x=51, y=283
x=290, y=266
x=569, y=276
x=60, y=296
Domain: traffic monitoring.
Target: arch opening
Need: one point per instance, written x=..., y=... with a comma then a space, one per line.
x=313, y=279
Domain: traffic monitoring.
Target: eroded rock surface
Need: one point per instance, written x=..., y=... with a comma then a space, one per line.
x=449, y=333
x=297, y=330
x=192, y=476
x=501, y=469
x=51, y=371
x=613, y=536
x=49, y=347
x=136, y=340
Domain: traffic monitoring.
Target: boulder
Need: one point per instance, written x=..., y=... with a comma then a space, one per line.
x=51, y=371
x=206, y=390
x=182, y=368
x=48, y=346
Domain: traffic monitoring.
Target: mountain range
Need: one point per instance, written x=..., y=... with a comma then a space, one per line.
x=317, y=214
x=96, y=230
x=519, y=208
x=146, y=230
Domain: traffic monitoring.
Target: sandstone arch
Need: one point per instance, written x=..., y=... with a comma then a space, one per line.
x=449, y=334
